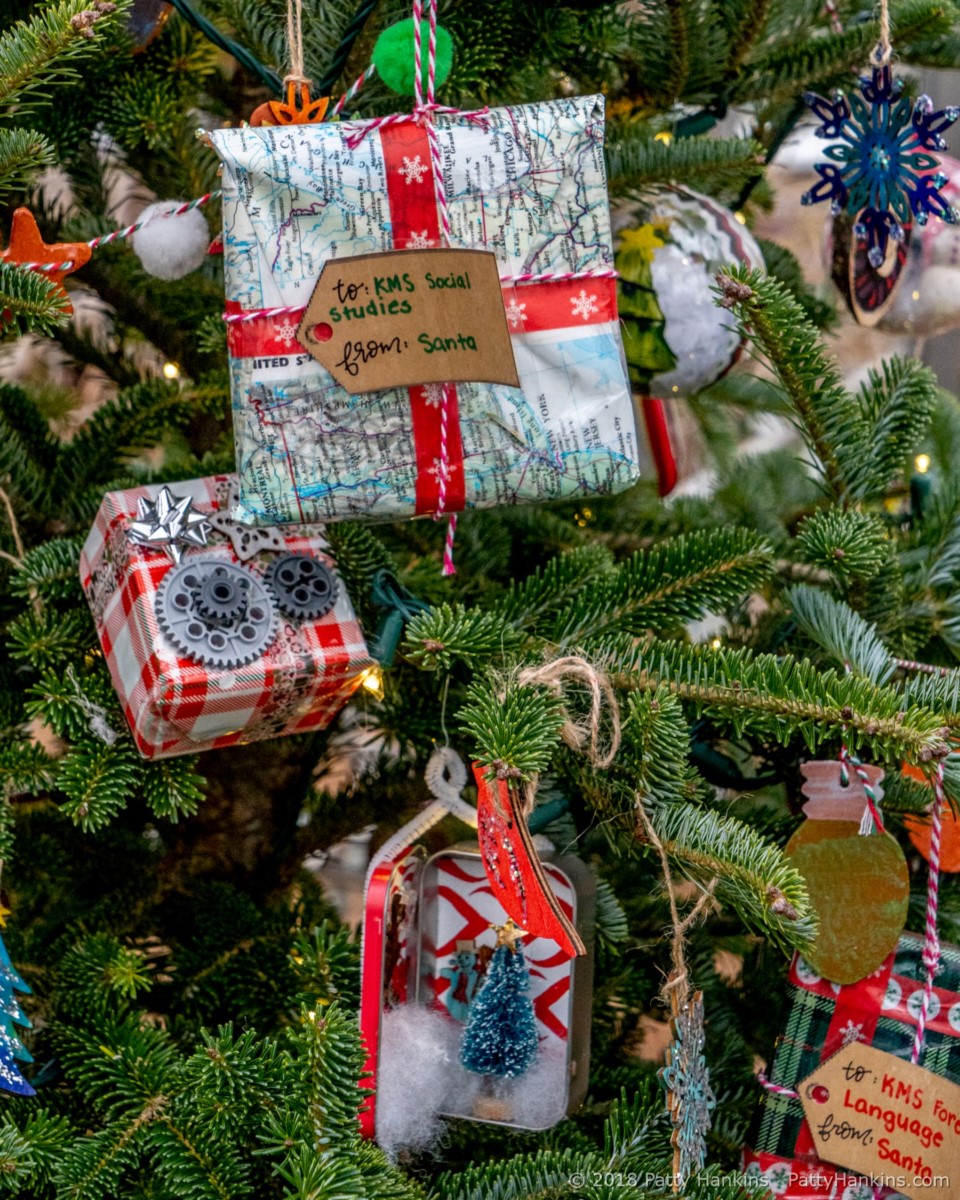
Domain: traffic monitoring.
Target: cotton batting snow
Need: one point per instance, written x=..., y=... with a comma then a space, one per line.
x=420, y=1081
x=416, y=1078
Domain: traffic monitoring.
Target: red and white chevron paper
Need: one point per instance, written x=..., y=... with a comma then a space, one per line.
x=459, y=905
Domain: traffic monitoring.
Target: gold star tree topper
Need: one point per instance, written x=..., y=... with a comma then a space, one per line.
x=509, y=934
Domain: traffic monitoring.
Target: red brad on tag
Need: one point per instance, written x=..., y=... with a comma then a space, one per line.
x=513, y=867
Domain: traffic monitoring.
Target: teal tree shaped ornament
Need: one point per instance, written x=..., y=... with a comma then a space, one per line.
x=686, y=1077
x=885, y=175
x=500, y=1039
x=11, y=1015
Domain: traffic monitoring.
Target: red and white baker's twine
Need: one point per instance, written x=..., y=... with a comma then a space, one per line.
x=351, y=91
x=118, y=234
x=908, y=664
x=848, y=760
x=931, y=939
x=106, y=238
x=443, y=467
x=776, y=1089
x=425, y=111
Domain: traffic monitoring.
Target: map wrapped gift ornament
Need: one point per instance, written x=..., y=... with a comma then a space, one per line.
x=215, y=633
x=823, y=1020
x=337, y=266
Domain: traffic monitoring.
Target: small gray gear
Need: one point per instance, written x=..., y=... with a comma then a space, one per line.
x=221, y=596
x=304, y=586
x=218, y=613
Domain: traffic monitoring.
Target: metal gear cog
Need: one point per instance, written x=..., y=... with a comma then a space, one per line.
x=304, y=586
x=218, y=613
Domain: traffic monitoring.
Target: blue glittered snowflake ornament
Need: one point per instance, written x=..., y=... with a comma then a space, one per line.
x=886, y=173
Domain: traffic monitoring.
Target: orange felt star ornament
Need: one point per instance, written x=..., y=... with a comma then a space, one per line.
x=26, y=245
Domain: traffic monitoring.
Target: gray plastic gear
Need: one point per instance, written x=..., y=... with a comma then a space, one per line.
x=218, y=613
x=222, y=595
x=304, y=586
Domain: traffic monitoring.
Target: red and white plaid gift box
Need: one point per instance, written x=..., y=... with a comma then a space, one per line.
x=175, y=705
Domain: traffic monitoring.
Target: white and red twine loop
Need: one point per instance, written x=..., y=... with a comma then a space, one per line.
x=115, y=235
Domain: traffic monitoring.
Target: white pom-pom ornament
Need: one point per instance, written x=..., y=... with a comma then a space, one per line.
x=170, y=247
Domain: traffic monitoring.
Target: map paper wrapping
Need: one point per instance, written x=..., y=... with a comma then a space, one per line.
x=526, y=182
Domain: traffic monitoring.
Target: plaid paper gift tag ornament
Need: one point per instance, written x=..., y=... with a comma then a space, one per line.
x=526, y=183
x=249, y=634
x=882, y=1011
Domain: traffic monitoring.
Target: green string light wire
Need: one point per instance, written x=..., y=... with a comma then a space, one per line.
x=342, y=52
x=243, y=56
x=270, y=78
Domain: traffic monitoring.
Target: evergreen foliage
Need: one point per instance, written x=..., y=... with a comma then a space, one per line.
x=195, y=997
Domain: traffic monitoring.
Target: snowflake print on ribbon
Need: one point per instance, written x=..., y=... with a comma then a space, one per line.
x=516, y=313
x=413, y=169
x=885, y=173
x=859, y=1191
x=433, y=394
x=686, y=1077
x=851, y=1032
x=418, y=241
x=286, y=333
x=777, y=1178
x=584, y=305
x=441, y=470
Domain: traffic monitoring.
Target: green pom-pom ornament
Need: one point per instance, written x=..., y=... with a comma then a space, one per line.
x=393, y=56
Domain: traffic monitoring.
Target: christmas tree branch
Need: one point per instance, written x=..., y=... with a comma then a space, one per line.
x=678, y=580
x=533, y=603
x=29, y=302
x=15, y=560
x=37, y=52
x=898, y=401
x=850, y=545
x=635, y=160
x=852, y=643
x=636, y=1141
x=782, y=72
x=780, y=696
x=829, y=418
x=753, y=878
x=23, y=154
x=581, y=596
